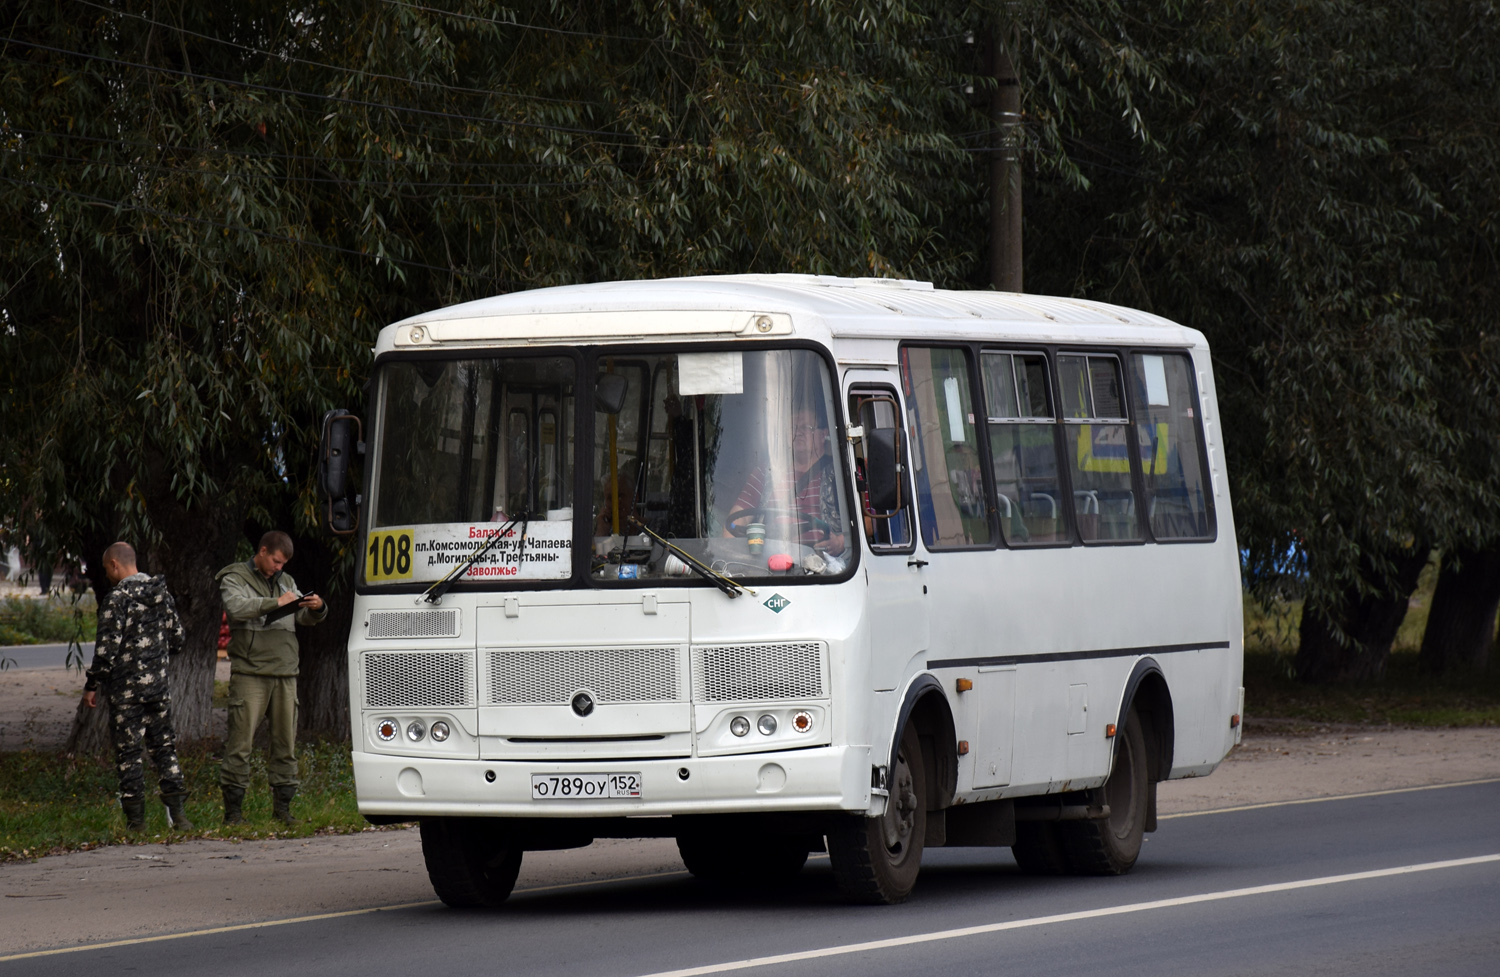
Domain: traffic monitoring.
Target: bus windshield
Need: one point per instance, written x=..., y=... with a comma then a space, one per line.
x=727, y=459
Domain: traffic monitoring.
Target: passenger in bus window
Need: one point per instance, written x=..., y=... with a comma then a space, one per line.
x=807, y=495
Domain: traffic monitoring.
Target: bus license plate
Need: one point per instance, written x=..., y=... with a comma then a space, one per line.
x=584, y=786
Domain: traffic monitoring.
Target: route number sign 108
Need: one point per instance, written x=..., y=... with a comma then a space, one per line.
x=389, y=555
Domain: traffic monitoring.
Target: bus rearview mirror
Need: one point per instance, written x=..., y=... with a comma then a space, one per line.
x=342, y=440
x=609, y=392
x=882, y=471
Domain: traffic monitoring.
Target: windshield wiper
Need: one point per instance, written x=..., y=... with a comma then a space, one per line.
x=434, y=594
x=727, y=584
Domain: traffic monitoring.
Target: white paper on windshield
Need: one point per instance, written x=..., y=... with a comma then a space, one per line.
x=710, y=373
x=546, y=554
x=1156, y=381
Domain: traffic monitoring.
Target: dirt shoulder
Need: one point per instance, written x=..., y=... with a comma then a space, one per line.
x=132, y=891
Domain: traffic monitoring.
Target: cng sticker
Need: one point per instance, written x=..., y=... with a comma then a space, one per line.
x=777, y=603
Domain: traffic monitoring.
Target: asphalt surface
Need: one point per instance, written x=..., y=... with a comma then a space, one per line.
x=1408, y=910
x=42, y=656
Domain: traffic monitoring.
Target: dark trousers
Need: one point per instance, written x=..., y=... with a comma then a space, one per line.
x=144, y=726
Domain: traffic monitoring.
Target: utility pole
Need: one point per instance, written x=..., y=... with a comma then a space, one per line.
x=1005, y=170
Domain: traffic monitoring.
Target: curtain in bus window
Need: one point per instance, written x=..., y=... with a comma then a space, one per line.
x=951, y=504
x=1023, y=448
x=1171, y=464
x=1098, y=447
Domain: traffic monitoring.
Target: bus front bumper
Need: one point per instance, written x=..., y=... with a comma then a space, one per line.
x=820, y=779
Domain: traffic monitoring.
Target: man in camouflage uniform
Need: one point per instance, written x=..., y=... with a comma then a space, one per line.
x=138, y=633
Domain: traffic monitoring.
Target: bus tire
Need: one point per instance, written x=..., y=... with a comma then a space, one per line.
x=468, y=863
x=1039, y=849
x=876, y=860
x=1112, y=845
x=723, y=860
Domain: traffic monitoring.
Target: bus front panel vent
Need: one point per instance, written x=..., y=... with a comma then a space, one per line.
x=733, y=673
x=413, y=624
x=551, y=676
x=418, y=679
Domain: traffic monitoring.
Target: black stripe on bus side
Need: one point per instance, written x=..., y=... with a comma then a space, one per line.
x=1068, y=656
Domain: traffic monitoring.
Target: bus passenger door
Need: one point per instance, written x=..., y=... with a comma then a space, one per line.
x=896, y=608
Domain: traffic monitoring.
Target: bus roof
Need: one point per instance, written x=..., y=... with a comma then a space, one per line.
x=817, y=307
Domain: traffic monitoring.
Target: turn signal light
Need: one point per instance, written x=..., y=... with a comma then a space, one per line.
x=963, y=747
x=387, y=729
x=964, y=684
x=1234, y=721
x=1109, y=731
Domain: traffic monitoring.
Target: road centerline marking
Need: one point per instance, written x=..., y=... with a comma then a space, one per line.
x=1016, y=924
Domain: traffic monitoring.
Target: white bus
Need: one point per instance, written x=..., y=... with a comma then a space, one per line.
x=775, y=564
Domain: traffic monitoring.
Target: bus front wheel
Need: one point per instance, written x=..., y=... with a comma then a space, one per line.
x=876, y=860
x=1112, y=845
x=468, y=862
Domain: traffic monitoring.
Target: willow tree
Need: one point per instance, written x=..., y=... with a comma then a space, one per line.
x=1315, y=189
x=210, y=209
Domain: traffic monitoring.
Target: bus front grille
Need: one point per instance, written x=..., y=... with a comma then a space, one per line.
x=418, y=679
x=731, y=673
x=551, y=676
x=412, y=624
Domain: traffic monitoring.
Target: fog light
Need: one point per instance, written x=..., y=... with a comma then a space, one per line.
x=766, y=725
x=387, y=729
x=739, y=725
x=802, y=722
x=439, y=731
x=416, y=731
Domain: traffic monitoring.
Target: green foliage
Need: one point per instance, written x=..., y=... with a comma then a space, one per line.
x=1313, y=185
x=49, y=620
x=52, y=802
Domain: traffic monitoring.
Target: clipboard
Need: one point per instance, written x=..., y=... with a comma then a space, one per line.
x=290, y=607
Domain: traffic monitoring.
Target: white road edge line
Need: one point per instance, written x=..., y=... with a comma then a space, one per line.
x=954, y=934
x=1331, y=797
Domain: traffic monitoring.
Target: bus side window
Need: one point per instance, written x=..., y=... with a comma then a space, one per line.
x=1168, y=431
x=952, y=509
x=877, y=409
x=1023, y=449
x=1097, y=444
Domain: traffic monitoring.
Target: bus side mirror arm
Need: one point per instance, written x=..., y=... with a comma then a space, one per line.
x=342, y=440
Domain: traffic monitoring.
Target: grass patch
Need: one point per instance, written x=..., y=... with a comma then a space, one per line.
x=54, y=619
x=52, y=803
x=1405, y=696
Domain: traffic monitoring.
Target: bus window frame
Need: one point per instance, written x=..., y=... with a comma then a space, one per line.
x=1205, y=470
x=1133, y=450
x=376, y=402
x=981, y=434
x=876, y=390
x=1059, y=446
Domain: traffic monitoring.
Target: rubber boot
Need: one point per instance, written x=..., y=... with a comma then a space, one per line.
x=281, y=803
x=234, y=804
x=135, y=813
x=176, y=819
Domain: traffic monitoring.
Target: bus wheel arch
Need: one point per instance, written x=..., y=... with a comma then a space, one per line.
x=925, y=707
x=1146, y=691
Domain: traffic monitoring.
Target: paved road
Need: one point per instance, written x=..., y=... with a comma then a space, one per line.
x=42, y=656
x=1424, y=899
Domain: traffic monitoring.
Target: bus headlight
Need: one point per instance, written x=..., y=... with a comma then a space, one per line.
x=439, y=731
x=739, y=726
x=387, y=729
x=416, y=731
x=766, y=725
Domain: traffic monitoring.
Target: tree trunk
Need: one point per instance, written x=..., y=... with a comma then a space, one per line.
x=90, y=733
x=196, y=543
x=1461, y=625
x=1369, y=623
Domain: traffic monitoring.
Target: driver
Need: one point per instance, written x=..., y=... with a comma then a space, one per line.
x=809, y=490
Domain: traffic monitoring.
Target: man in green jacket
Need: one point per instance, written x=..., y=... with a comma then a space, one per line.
x=263, y=671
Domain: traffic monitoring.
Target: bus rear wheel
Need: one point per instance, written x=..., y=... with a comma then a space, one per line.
x=723, y=860
x=876, y=860
x=468, y=862
x=1112, y=845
